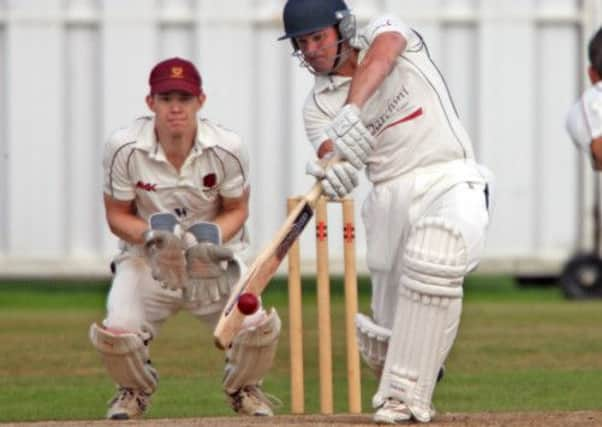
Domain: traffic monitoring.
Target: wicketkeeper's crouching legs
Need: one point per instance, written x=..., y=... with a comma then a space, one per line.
x=125, y=356
x=138, y=305
x=122, y=340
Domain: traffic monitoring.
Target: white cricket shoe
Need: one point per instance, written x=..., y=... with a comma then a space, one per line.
x=393, y=411
x=251, y=400
x=127, y=404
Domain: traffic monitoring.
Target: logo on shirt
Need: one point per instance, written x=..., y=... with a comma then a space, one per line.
x=209, y=180
x=181, y=212
x=395, y=105
x=146, y=186
x=387, y=23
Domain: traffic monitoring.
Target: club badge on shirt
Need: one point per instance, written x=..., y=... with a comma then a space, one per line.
x=210, y=188
x=209, y=181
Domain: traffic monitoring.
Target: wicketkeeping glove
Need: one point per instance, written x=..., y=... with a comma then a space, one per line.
x=338, y=180
x=351, y=138
x=212, y=267
x=165, y=251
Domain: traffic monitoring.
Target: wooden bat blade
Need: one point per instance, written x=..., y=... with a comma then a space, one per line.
x=257, y=277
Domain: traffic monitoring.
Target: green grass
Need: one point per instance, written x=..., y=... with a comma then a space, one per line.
x=518, y=349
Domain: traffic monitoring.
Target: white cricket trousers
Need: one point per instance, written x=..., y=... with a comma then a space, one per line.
x=454, y=191
x=138, y=303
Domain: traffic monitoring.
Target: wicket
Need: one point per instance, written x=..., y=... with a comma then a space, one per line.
x=323, y=297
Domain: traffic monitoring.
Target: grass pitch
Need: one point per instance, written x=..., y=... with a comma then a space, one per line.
x=518, y=349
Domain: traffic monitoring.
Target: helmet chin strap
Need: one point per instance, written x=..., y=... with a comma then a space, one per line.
x=342, y=55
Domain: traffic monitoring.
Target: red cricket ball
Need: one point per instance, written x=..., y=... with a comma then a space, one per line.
x=248, y=303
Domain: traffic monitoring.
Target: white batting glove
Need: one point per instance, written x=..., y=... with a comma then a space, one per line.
x=338, y=180
x=351, y=138
x=165, y=251
x=212, y=268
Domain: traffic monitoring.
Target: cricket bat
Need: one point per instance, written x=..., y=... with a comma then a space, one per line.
x=264, y=267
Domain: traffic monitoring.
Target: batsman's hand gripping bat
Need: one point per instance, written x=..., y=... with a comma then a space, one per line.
x=265, y=265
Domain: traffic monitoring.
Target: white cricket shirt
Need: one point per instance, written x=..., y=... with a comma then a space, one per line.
x=584, y=120
x=136, y=168
x=411, y=114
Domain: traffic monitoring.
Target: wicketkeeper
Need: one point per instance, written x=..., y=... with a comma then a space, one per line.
x=584, y=120
x=382, y=104
x=176, y=193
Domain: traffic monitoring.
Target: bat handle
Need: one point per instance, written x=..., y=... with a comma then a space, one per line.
x=312, y=196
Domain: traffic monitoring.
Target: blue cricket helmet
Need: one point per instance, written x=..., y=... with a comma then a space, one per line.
x=307, y=16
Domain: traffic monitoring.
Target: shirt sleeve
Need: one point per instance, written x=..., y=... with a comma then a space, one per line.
x=236, y=169
x=383, y=24
x=584, y=119
x=117, y=183
x=316, y=122
x=576, y=127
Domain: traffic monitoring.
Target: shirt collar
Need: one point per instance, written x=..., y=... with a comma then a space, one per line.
x=147, y=139
x=204, y=137
x=329, y=83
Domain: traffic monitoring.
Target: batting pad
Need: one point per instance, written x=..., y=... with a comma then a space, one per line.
x=126, y=359
x=373, y=342
x=428, y=315
x=252, y=353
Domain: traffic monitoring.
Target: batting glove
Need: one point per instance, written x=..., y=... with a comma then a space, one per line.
x=351, y=138
x=338, y=180
x=165, y=251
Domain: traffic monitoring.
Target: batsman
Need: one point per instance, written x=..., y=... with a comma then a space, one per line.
x=380, y=103
x=176, y=194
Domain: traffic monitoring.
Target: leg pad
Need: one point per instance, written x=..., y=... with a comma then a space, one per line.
x=125, y=357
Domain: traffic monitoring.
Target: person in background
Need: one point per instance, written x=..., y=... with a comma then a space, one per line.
x=584, y=119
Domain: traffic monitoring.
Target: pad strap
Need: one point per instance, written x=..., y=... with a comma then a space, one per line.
x=373, y=342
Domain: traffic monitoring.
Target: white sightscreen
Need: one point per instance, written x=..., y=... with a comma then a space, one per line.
x=71, y=71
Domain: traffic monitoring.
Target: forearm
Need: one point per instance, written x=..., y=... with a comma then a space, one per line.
x=326, y=148
x=366, y=80
x=596, y=151
x=232, y=216
x=127, y=227
x=230, y=222
x=375, y=67
x=123, y=221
